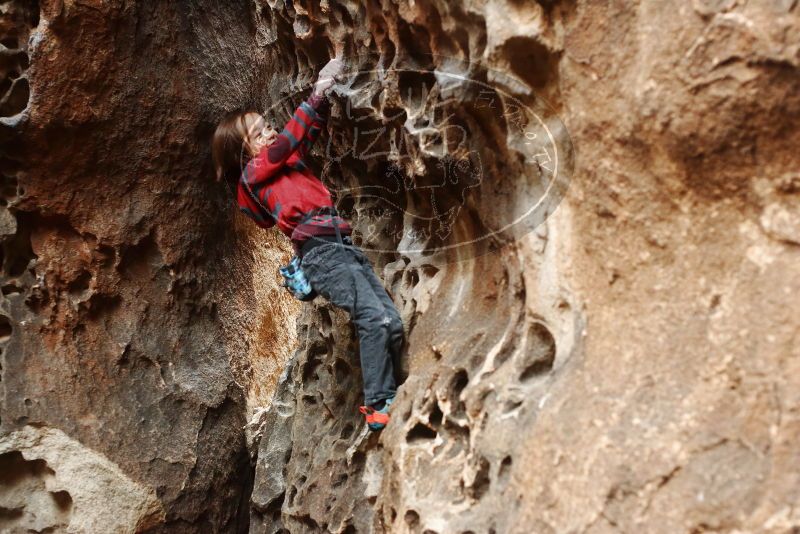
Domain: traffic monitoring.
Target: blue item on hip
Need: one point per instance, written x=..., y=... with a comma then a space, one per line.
x=296, y=282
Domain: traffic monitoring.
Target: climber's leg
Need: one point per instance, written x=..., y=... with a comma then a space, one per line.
x=376, y=362
x=395, y=324
x=335, y=274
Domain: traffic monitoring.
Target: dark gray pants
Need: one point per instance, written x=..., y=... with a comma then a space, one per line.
x=345, y=277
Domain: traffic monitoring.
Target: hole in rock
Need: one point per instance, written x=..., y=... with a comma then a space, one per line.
x=531, y=61
x=22, y=61
x=395, y=115
x=17, y=251
x=359, y=459
x=420, y=432
x=457, y=439
x=275, y=505
x=9, y=514
x=482, y=481
x=540, y=357
x=511, y=405
x=396, y=277
x=9, y=193
x=504, y=354
x=344, y=15
x=319, y=50
x=31, y=477
x=107, y=255
x=412, y=277
x=347, y=431
x=411, y=518
x=457, y=384
x=16, y=100
x=430, y=270
x=139, y=261
x=11, y=288
x=32, y=13
x=101, y=304
x=312, y=526
x=362, y=79
x=62, y=499
x=80, y=284
x=8, y=181
x=388, y=53
x=504, y=471
x=415, y=43
x=5, y=328
x=5, y=85
x=436, y=416
x=414, y=88
x=461, y=37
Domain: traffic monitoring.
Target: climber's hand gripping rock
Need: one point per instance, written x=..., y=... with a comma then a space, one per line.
x=325, y=80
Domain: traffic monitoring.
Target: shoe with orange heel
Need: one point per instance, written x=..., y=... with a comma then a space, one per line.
x=377, y=419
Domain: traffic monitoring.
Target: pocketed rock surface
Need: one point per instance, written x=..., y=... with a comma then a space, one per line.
x=630, y=364
x=140, y=313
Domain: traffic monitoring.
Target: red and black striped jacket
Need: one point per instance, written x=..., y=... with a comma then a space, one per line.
x=276, y=187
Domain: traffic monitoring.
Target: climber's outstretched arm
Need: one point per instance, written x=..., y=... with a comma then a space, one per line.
x=306, y=123
x=319, y=105
x=319, y=102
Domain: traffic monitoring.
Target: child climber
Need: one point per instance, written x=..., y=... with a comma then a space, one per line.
x=274, y=186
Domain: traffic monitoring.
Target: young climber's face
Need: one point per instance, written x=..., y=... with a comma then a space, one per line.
x=259, y=133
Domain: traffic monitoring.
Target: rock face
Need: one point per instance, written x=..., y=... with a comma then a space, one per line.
x=629, y=365
x=625, y=359
x=134, y=303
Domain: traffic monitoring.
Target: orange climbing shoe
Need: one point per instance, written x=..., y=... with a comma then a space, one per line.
x=377, y=419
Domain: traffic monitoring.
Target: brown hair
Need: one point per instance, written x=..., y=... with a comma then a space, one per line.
x=227, y=146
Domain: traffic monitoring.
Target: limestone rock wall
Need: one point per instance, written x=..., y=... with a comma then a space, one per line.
x=140, y=314
x=629, y=364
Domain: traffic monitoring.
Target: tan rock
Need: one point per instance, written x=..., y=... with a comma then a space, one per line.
x=52, y=481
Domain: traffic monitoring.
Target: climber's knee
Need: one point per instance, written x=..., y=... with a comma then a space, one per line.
x=395, y=325
x=392, y=323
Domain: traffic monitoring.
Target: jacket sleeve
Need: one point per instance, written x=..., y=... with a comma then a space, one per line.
x=253, y=208
x=319, y=108
x=272, y=158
